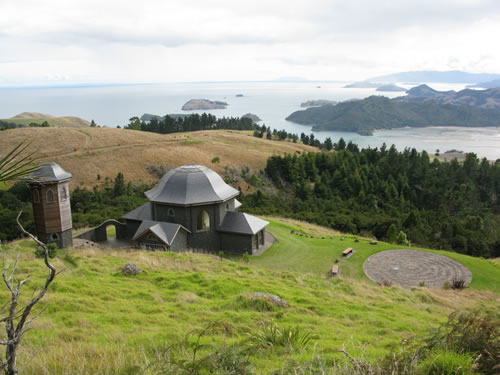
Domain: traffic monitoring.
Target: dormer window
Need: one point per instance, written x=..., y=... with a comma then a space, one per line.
x=50, y=196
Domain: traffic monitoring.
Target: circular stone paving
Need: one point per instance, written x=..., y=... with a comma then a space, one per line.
x=411, y=267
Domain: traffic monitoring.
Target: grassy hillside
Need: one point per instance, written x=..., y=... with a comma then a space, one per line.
x=27, y=118
x=300, y=253
x=98, y=321
x=104, y=151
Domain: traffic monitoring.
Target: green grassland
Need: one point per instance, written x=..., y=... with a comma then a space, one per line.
x=94, y=320
x=315, y=252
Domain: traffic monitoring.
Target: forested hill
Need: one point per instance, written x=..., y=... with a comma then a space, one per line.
x=377, y=112
x=382, y=192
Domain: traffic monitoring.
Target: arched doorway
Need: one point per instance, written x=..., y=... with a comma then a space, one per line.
x=203, y=221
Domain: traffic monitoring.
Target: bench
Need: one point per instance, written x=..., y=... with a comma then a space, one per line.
x=347, y=251
x=335, y=269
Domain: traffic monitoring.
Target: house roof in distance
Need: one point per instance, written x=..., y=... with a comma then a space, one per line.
x=49, y=172
x=238, y=222
x=191, y=185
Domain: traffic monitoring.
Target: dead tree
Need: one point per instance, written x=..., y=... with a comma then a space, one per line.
x=17, y=321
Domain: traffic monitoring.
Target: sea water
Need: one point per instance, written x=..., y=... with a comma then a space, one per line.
x=114, y=105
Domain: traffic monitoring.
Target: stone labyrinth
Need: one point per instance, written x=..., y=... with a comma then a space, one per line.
x=410, y=268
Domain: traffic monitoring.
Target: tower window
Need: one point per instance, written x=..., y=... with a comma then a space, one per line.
x=203, y=221
x=36, y=196
x=55, y=237
x=64, y=194
x=50, y=196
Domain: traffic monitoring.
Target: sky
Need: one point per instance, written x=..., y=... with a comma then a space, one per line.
x=56, y=42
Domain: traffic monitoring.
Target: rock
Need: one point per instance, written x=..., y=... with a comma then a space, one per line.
x=200, y=104
x=130, y=269
x=272, y=298
x=373, y=242
x=252, y=117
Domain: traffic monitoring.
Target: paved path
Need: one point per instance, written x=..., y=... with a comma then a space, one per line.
x=411, y=267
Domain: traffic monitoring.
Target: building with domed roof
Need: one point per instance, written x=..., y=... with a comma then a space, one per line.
x=192, y=207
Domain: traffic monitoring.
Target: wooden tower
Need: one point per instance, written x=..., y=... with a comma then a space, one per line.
x=51, y=205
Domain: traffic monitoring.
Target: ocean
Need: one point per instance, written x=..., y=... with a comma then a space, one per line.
x=114, y=105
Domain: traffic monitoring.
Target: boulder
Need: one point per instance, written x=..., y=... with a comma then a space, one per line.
x=272, y=298
x=130, y=269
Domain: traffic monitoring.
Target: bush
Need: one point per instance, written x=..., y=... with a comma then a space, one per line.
x=385, y=282
x=471, y=333
x=246, y=258
x=51, y=247
x=458, y=283
x=289, y=338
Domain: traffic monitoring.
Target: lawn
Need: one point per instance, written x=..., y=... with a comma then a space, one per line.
x=299, y=252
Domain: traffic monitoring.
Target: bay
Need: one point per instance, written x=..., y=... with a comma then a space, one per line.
x=271, y=101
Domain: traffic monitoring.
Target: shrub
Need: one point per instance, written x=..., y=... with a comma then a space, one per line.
x=246, y=258
x=385, y=282
x=216, y=160
x=51, y=247
x=289, y=338
x=458, y=283
x=471, y=333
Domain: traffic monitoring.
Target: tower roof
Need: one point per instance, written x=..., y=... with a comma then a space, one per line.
x=49, y=172
x=191, y=185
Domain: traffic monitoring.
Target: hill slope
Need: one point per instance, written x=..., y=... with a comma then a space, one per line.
x=27, y=118
x=93, y=311
x=105, y=151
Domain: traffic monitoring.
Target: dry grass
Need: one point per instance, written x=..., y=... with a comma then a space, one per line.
x=27, y=118
x=104, y=151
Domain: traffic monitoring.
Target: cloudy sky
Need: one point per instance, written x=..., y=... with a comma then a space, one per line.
x=102, y=41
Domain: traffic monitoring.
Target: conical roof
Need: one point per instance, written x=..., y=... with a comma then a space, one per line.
x=191, y=185
x=49, y=172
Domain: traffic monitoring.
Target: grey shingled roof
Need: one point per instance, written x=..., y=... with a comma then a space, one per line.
x=238, y=222
x=164, y=231
x=49, y=172
x=191, y=185
x=140, y=213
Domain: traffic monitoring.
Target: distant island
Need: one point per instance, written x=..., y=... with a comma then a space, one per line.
x=239, y=95
x=390, y=88
x=363, y=85
x=378, y=112
x=252, y=117
x=315, y=103
x=203, y=104
x=488, y=99
x=449, y=76
x=487, y=85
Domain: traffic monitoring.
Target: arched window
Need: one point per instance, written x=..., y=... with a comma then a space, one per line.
x=203, y=221
x=36, y=196
x=50, y=196
x=171, y=212
x=64, y=194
